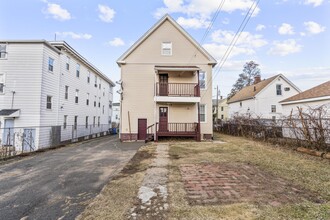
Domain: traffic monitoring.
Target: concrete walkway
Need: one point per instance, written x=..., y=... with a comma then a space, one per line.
x=58, y=184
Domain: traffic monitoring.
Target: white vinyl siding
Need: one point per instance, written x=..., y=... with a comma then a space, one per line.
x=166, y=49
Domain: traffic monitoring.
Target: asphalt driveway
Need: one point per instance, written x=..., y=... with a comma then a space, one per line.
x=58, y=184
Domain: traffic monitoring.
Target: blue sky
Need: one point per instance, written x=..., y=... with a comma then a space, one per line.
x=284, y=36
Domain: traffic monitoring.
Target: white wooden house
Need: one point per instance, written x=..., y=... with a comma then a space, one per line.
x=49, y=93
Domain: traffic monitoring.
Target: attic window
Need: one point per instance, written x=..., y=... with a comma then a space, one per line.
x=287, y=89
x=167, y=48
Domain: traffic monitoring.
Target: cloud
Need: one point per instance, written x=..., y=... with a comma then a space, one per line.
x=260, y=27
x=315, y=3
x=285, y=29
x=106, y=14
x=218, y=50
x=116, y=42
x=74, y=35
x=313, y=27
x=201, y=9
x=193, y=23
x=285, y=47
x=57, y=12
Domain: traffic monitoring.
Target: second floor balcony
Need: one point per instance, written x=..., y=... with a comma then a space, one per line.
x=178, y=89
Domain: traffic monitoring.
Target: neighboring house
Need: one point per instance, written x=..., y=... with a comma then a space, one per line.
x=166, y=85
x=311, y=98
x=116, y=113
x=262, y=98
x=222, y=109
x=50, y=93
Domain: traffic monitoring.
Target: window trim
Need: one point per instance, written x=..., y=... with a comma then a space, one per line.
x=49, y=104
x=205, y=79
x=51, y=64
x=281, y=93
x=271, y=108
x=205, y=111
x=170, y=48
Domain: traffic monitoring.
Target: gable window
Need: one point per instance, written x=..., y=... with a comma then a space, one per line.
x=3, y=51
x=86, y=123
x=49, y=102
x=75, y=122
x=65, y=121
x=66, y=94
x=202, y=80
x=2, y=83
x=78, y=70
x=202, y=113
x=167, y=48
x=87, y=99
x=273, y=108
x=50, y=64
x=67, y=63
x=88, y=77
x=76, y=97
x=278, y=89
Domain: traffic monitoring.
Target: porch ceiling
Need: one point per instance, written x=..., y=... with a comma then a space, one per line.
x=176, y=68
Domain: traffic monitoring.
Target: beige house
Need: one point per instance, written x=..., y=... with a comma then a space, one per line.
x=166, y=80
x=220, y=109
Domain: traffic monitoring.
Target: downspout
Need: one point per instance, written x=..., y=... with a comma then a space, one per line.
x=198, y=138
x=155, y=108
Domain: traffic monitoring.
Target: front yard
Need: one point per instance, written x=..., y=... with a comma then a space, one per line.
x=230, y=178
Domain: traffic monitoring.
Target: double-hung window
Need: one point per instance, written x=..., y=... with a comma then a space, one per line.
x=66, y=94
x=76, y=97
x=49, y=102
x=50, y=64
x=87, y=99
x=202, y=112
x=202, y=80
x=273, y=108
x=78, y=70
x=278, y=89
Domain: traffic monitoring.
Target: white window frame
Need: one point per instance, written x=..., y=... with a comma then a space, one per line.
x=76, y=99
x=87, y=99
x=51, y=62
x=3, y=50
x=2, y=83
x=66, y=93
x=67, y=66
x=166, y=46
x=205, y=80
x=279, y=90
x=49, y=104
x=271, y=108
x=89, y=77
x=200, y=113
x=78, y=70
x=65, y=121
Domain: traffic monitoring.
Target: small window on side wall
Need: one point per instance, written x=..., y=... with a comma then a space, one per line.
x=50, y=64
x=202, y=80
x=3, y=51
x=2, y=83
x=167, y=48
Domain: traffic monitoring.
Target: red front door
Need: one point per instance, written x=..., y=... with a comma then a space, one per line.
x=142, y=129
x=163, y=84
x=163, y=119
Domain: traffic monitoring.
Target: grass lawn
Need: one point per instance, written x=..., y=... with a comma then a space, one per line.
x=298, y=184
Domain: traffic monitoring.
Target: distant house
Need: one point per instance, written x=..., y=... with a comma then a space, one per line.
x=314, y=97
x=262, y=98
x=167, y=85
x=116, y=113
x=220, y=112
x=49, y=93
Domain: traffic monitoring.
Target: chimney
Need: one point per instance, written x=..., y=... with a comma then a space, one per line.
x=257, y=79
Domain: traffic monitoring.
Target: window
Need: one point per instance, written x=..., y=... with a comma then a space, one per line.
x=95, y=84
x=221, y=116
x=273, y=108
x=202, y=80
x=103, y=109
x=99, y=102
x=2, y=83
x=222, y=108
x=50, y=64
x=98, y=121
x=240, y=104
x=278, y=89
x=78, y=70
x=100, y=86
x=88, y=77
x=274, y=118
x=167, y=48
x=94, y=119
x=3, y=51
x=75, y=122
x=110, y=104
x=49, y=102
x=65, y=121
x=202, y=112
x=86, y=123
x=287, y=89
x=94, y=101
x=87, y=99
x=67, y=63
x=76, y=97
x=116, y=116
x=66, y=94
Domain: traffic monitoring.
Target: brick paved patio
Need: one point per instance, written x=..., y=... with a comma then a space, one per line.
x=234, y=183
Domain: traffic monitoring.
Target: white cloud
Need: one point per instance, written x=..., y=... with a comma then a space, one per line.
x=285, y=47
x=285, y=29
x=116, y=42
x=246, y=39
x=260, y=27
x=57, y=12
x=315, y=3
x=106, y=14
x=313, y=27
x=201, y=9
x=219, y=50
x=74, y=35
x=193, y=23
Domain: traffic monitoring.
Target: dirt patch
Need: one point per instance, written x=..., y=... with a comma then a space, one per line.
x=226, y=183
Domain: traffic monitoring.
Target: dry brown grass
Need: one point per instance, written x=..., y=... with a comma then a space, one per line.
x=304, y=170
x=118, y=196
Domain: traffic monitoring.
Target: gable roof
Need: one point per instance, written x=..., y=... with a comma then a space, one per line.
x=249, y=92
x=121, y=59
x=319, y=91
